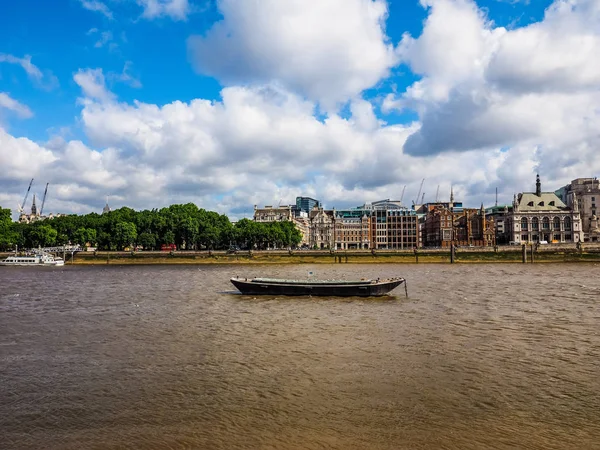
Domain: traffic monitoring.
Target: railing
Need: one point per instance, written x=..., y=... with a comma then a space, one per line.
x=62, y=248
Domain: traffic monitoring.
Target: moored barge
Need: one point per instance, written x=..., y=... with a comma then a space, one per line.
x=334, y=288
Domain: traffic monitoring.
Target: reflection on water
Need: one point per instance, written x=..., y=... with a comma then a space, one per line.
x=478, y=356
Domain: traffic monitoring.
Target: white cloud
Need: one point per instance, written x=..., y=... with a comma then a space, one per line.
x=44, y=80
x=495, y=107
x=485, y=87
x=175, y=9
x=126, y=77
x=328, y=50
x=97, y=6
x=13, y=105
x=105, y=38
x=93, y=84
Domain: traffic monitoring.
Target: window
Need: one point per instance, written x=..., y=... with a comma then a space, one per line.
x=567, y=237
x=535, y=224
x=530, y=204
x=541, y=204
x=545, y=223
x=556, y=237
x=556, y=224
x=568, y=224
x=552, y=203
x=524, y=238
x=524, y=224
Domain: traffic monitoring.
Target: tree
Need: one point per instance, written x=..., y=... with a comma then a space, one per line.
x=147, y=240
x=125, y=234
x=8, y=234
x=42, y=236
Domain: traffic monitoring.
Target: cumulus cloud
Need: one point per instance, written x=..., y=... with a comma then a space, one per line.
x=328, y=50
x=485, y=87
x=494, y=105
x=97, y=6
x=13, y=105
x=175, y=9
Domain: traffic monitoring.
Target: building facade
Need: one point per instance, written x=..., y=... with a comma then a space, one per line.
x=322, y=226
x=352, y=229
x=394, y=228
x=306, y=204
x=463, y=227
x=272, y=214
x=585, y=192
x=542, y=217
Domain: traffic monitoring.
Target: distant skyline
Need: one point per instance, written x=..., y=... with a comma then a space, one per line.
x=232, y=103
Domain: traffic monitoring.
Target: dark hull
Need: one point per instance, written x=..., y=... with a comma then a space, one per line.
x=250, y=287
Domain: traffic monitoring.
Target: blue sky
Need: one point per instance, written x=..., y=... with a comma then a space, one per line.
x=427, y=120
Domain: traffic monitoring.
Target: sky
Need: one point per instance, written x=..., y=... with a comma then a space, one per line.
x=234, y=103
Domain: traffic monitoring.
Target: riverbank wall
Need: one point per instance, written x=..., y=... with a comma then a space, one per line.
x=507, y=254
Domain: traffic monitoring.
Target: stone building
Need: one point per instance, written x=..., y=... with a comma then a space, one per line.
x=586, y=193
x=272, y=214
x=542, y=217
x=463, y=227
x=283, y=213
x=322, y=227
x=352, y=229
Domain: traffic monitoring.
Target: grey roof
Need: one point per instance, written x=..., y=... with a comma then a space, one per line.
x=547, y=201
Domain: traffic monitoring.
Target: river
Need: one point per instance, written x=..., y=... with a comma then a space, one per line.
x=167, y=357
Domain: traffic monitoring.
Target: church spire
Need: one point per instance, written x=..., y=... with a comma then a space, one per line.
x=538, y=186
x=33, y=207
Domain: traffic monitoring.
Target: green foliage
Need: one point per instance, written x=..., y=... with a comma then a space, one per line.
x=8, y=232
x=42, y=235
x=186, y=226
x=125, y=234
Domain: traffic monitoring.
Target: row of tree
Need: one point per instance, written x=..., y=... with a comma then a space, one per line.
x=186, y=227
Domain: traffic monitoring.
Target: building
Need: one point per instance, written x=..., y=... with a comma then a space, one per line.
x=283, y=213
x=499, y=214
x=272, y=214
x=36, y=215
x=586, y=193
x=322, y=227
x=393, y=226
x=352, y=229
x=306, y=204
x=464, y=227
x=542, y=217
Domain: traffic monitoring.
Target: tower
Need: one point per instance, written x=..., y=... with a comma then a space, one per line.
x=106, y=208
x=33, y=207
x=538, y=186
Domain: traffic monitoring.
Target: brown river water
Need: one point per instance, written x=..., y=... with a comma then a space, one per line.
x=168, y=357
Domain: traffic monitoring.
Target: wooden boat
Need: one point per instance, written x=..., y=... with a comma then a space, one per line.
x=335, y=288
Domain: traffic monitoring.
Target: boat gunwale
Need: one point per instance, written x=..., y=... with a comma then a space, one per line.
x=283, y=282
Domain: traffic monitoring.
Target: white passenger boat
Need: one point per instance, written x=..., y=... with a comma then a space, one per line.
x=35, y=258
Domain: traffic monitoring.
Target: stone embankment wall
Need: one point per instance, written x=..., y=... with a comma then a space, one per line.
x=587, y=252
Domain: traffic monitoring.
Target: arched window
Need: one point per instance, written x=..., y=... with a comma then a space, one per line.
x=567, y=224
x=535, y=224
x=545, y=223
x=556, y=224
x=524, y=223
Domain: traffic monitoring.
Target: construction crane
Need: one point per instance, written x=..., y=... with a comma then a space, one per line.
x=420, y=189
x=437, y=194
x=402, y=196
x=423, y=198
x=44, y=199
x=21, y=207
